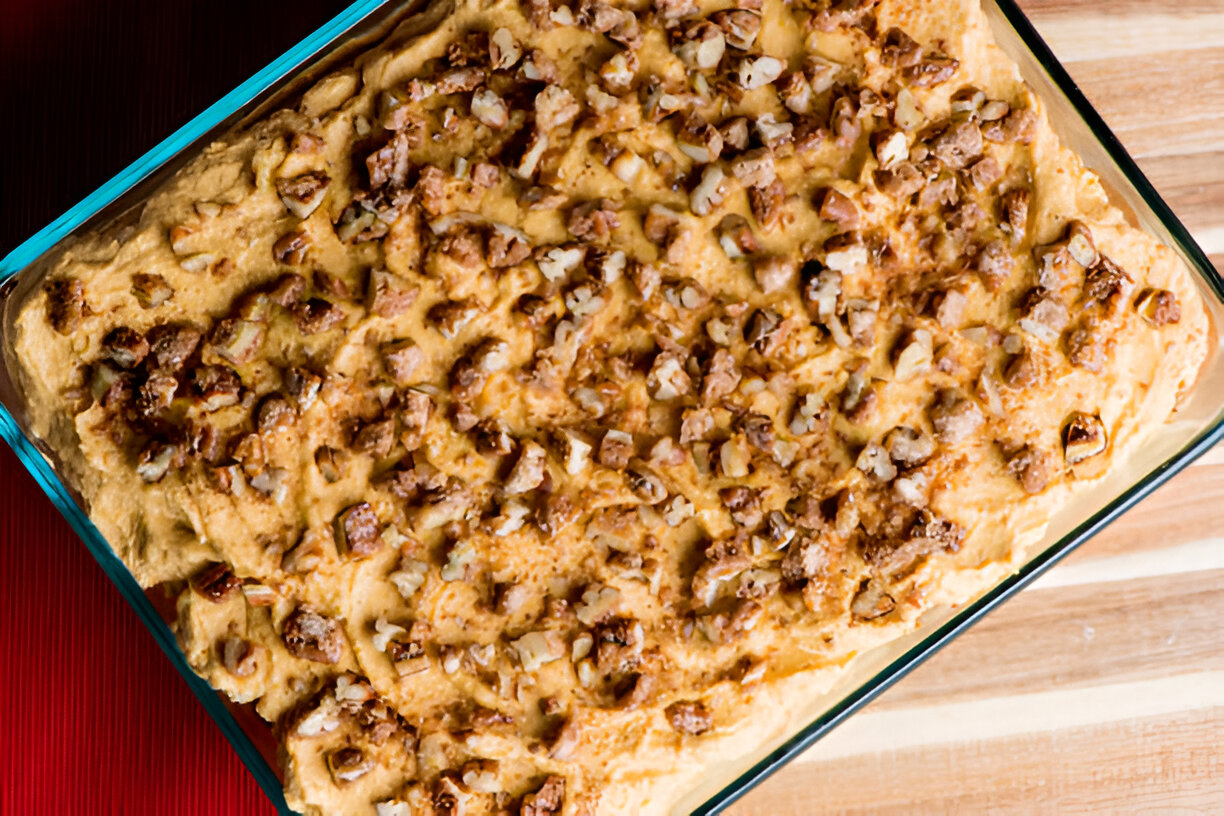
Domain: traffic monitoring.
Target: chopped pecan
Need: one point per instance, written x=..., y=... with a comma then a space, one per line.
x=1083, y=436
x=1105, y=283
x=766, y=203
x=171, y=345
x=871, y=601
x=838, y=208
x=310, y=636
x=291, y=247
x=124, y=347
x=688, y=717
x=403, y=360
x=347, y=764
x=984, y=173
x=375, y=438
x=546, y=801
x=699, y=140
x=216, y=582
x=899, y=50
x=151, y=290
x=616, y=449
x=1030, y=466
x=722, y=377
x=388, y=295
x=806, y=558
x=528, y=472
x=507, y=248
x=759, y=431
x=957, y=146
x=317, y=315
x=239, y=656
x=275, y=413
x=65, y=303
x=555, y=107
x=902, y=181
x=237, y=341
x=954, y=417
x=931, y=71
x=217, y=386
x=1015, y=205
x=1159, y=307
x=994, y=264
x=764, y=331
x=303, y=194
x=735, y=133
x=1085, y=348
x=287, y=289
x=743, y=503
x=358, y=530
x=414, y=418
x=593, y=220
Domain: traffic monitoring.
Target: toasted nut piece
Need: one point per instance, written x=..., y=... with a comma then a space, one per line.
x=1083, y=436
x=65, y=303
x=839, y=209
x=389, y=295
x=1030, y=467
x=555, y=107
x=1159, y=307
x=490, y=109
x=740, y=27
x=871, y=601
x=619, y=71
x=954, y=418
x=645, y=484
x=151, y=290
x=348, y=764
x=914, y=357
x=757, y=72
x=303, y=194
x=237, y=341
x=735, y=133
x=891, y=149
x=735, y=236
x=528, y=472
x=708, y=193
x=358, y=530
x=124, y=347
x=774, y=273
x=403, y=360
x=1080, y=245
x=310, y=636
x=216, y=582
x=702, y=46
x=688, y=717
x=504, y=51
x=699, y=140
x=616, y=449
x=291, y=248
x=548, y=800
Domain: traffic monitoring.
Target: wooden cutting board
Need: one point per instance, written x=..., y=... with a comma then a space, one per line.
x=1101, y=688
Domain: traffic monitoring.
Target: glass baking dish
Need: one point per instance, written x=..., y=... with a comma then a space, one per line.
x=1196, y=427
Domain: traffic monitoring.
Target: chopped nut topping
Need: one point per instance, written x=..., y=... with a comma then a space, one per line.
x=216, y=582
x=1158, y=307
x=358, y=530
x=689, y=717
x=310, y=636
x=1083, y=436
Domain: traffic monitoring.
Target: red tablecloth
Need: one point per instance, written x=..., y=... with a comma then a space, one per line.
x=93, y=718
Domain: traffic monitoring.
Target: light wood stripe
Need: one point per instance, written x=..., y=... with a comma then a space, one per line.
x=1169, y=766
x=1103, y=34
x=1001, y=717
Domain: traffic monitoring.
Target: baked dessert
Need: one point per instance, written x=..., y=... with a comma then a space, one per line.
x=559, y=396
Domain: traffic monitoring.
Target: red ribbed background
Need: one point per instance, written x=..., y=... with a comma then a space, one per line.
x=93, y=720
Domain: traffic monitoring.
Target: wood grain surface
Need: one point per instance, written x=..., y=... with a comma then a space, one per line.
x=1100, y=690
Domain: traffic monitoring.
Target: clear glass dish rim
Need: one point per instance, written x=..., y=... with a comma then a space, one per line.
x=331, y=35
